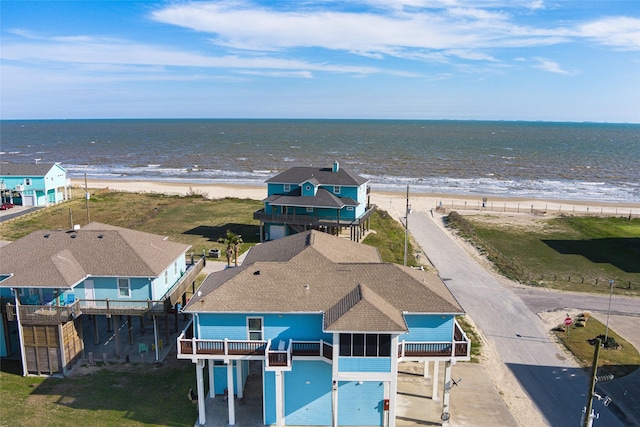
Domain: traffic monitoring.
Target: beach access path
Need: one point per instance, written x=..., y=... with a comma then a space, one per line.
x=541, y=384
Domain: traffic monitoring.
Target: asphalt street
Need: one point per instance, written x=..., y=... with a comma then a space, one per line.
x=555, y=386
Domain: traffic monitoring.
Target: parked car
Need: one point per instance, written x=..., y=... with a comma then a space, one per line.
x=6, y=206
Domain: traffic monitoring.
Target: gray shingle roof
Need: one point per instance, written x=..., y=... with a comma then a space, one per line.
x=322, y=199
x=323, y=176
x=57, y=258
x=322, y=275
x=25, y=169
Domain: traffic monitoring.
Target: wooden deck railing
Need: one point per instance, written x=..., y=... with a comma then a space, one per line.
x=44, y=314
x=460, y=347
x=313, y=219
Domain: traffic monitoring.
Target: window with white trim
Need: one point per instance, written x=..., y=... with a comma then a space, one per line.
x=166, y=277
x=349, y=208
x=124, y=288
x=309, y=209
x=336, y=189
x=365, y=345
x=27, y=181
x=287, y=187
x=254, y=328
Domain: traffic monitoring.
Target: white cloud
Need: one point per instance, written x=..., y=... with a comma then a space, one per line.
x=619, y=32
x=551, y=66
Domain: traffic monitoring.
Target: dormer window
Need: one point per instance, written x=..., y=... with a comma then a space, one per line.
x=308, y=187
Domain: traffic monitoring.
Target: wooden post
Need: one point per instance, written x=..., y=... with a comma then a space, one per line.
x=96, y=336
x=130, y=328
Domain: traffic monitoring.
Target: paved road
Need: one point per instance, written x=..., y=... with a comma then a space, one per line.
x=554, y=385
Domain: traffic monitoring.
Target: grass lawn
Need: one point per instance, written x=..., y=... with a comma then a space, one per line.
x=126, y=395
x=193, y=220
x=618, y=362
x=568, y=253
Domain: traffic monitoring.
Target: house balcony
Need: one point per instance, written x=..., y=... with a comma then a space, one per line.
x=458, y=349
x=43, y=314
x=51, y=314
x=312, y=220
x=279, y=355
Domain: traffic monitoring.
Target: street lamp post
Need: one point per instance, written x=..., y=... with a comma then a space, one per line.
x=606, y=334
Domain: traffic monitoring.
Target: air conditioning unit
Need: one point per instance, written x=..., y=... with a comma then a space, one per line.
x=19, y=187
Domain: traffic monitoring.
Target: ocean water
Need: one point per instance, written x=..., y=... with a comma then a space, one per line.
x=569, y=161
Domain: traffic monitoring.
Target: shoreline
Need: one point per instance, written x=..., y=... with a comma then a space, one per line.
x=394, y=201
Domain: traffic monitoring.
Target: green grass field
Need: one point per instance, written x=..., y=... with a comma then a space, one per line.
x=619, y=362
x=568, y=253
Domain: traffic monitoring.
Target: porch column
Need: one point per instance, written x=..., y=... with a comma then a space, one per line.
x=334, y=404
x=279, y=398
x=230, y=393
x=155, y=337
x=239, y=379
x=202, y=413
x=445, y=394
x=393, y=384
x=212, y=388
x=426, y=370
x=116, y=334
x=434, y=383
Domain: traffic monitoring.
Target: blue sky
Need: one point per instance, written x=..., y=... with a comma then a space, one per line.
x=383, y=59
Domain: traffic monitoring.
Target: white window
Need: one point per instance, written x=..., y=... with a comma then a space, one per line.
x=27, y=181
x=336, y=189
x=254, y=328
x=124, y=288
x=309, y=209
x=349, y=208
x=166, y=278
x=287, y=187
x=175, y=269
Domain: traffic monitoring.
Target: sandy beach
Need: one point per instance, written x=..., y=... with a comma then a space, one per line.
x=393, y=202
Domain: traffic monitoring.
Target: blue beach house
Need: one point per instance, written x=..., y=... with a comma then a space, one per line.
x=326, y=322
x=304, y=198
x=34, y=184
x=53, y=280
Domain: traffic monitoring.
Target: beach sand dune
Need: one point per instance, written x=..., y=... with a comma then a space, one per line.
x=393, y=202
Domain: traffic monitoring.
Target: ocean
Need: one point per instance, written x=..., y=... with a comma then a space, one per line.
x=565, y=161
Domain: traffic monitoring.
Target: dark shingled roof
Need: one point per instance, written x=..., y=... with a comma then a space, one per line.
x=322, y=176
x=25, y=169
x=61, y=259
x=322, y=199
x=314, y=272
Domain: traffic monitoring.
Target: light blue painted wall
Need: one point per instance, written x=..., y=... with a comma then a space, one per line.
x=299, y=327
x=364, y=364
x=107, y=287
x=307, y=393
x=269, y=393
x=360, y=404
x=430, y=328
x=174, y=272
x=220, y=377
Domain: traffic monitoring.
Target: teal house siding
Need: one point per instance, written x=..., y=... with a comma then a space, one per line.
x=364, y=364
x=276, y=327
x=428, y=328
x=220, y=377
x=217, y=326
x=360, y=403
x=269, y=397
x=307, y=394
x=107, y=287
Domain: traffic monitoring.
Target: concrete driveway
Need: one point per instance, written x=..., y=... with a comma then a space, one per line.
x=555, y=387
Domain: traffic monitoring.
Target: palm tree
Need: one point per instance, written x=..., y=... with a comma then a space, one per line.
x=233, y=242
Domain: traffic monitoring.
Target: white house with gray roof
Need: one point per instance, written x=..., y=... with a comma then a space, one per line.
x=50, y=280
x=34, y=184
x=320, y=198
x=328, y=322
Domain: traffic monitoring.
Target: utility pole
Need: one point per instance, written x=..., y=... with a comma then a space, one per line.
x=588, y=416
x=406, y=229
